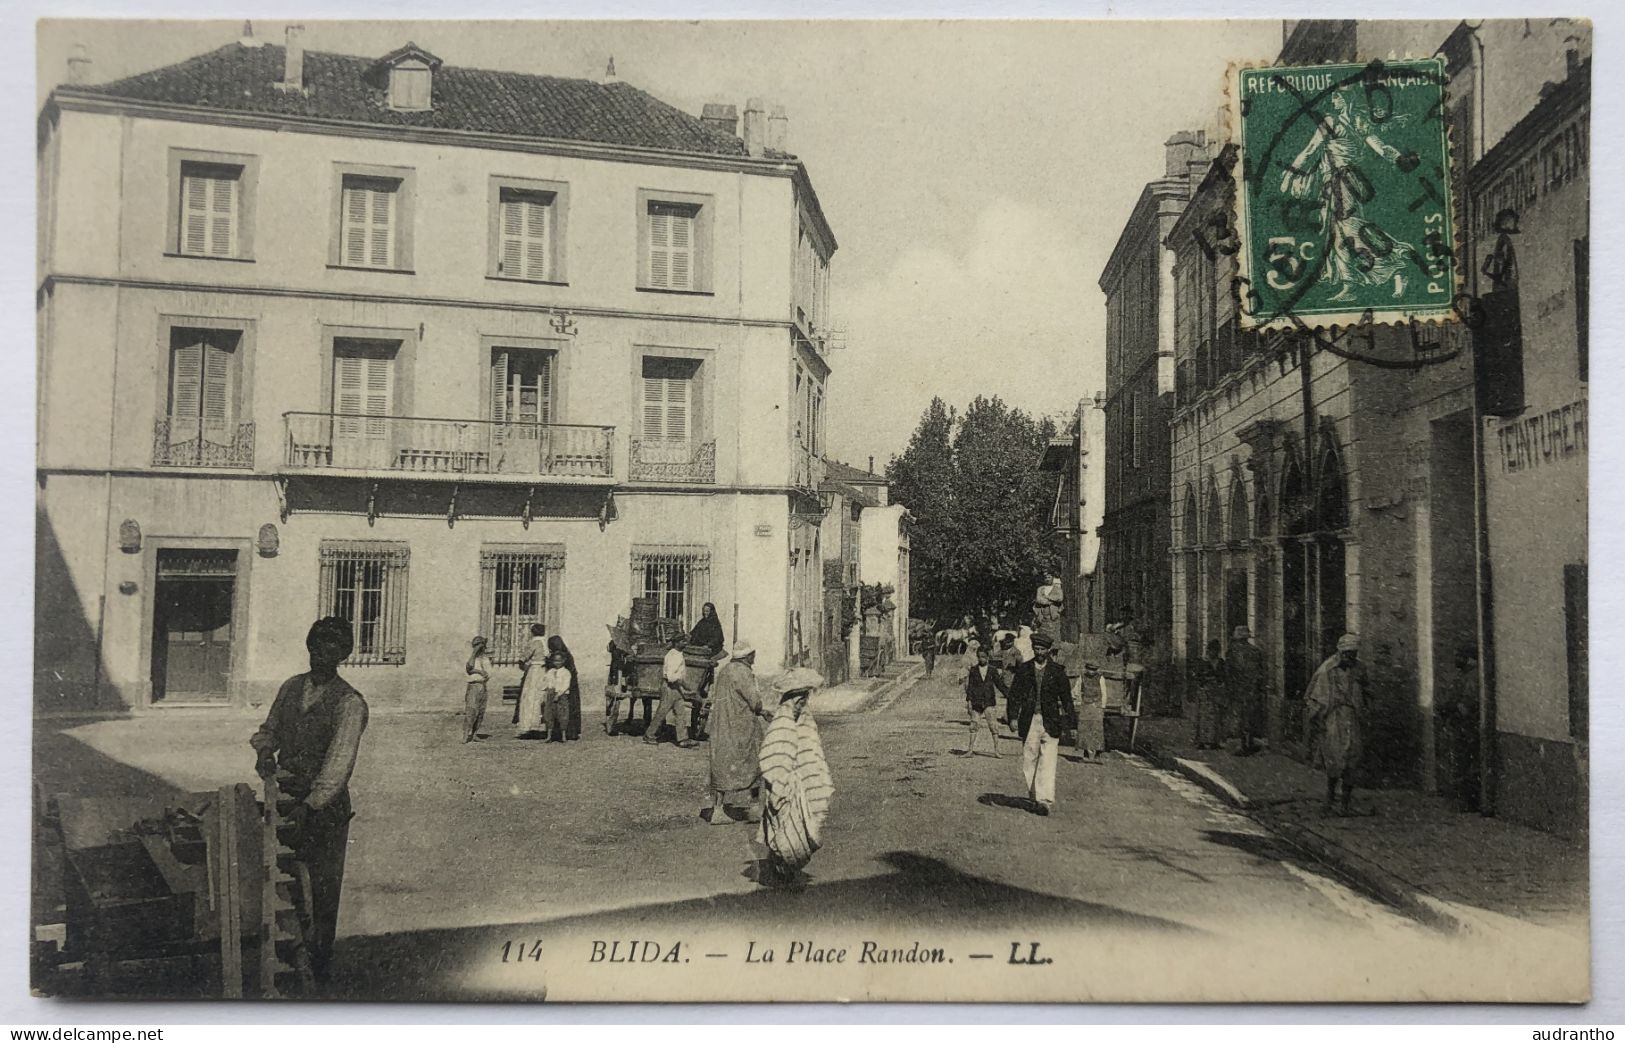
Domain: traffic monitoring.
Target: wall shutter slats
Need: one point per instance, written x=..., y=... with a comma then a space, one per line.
x=499, y=387
x=355, y=225
x=187, y=378
x=382, y=206
x=659, y=247
x=210, y=201
x=370, y=212
x=525, y=221
x=682, y=251
x=217, y=384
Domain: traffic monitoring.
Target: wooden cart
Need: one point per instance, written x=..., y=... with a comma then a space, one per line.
x=1121, y=694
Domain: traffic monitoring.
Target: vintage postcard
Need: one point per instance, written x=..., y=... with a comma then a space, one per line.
x=1018, y=511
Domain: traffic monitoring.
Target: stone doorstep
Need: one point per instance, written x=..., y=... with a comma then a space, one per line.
x=1363, y=873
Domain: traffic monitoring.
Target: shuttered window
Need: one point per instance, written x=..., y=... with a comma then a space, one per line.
x=525, y=234
x=202, y=381
x=521, y=386
x=369, y=216
x=671, y=245
x=363, y=381
x=363, y=399
x=410, y=84
x=365, y=582
x=669, y=399
x=210, y=209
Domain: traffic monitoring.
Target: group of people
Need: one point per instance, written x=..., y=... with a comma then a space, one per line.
x=767, y=761
x=549, y=705
x=1230, y=691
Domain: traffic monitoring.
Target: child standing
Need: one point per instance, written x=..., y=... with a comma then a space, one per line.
x=982, y=685
x=556, y=696
x=478, y=669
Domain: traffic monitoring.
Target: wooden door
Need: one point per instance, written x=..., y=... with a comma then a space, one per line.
x=194, y=626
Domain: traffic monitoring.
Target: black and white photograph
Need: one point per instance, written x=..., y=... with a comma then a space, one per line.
x=719, y=511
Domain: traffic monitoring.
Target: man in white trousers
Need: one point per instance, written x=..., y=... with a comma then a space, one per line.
x=1047, y=714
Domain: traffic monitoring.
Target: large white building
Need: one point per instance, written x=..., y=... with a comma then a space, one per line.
x=445, y=351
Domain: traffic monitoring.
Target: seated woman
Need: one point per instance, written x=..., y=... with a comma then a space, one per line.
x=707, y=633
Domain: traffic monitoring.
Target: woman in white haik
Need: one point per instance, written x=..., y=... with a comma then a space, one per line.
x=796, y=784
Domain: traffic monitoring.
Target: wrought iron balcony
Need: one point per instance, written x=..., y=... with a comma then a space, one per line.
x=653, y=460
x=191, y=442
x=436, y=447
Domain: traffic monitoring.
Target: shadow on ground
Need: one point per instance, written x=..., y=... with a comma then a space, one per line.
x=920, y=893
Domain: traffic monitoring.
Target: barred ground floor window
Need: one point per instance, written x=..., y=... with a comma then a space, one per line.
x=520, y=584
x=677, y=577
x=364, y=581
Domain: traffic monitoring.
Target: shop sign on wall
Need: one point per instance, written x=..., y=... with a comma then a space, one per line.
x=1544, y=438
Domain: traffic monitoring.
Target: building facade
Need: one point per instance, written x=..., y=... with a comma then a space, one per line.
x=1076, y=458
x=1531, y=250
x=1317, y=492
x=442, y=351
x=1134, y=528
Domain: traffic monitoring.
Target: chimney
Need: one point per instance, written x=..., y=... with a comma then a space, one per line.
x=755, y=126
x=293, y=60
x=1183, y=149
x=778, y=129
x=871, y=465
x=78, y=64
x=248, y=39
x=723, y=117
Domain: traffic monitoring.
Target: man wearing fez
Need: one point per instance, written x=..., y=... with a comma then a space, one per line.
x=312, y=735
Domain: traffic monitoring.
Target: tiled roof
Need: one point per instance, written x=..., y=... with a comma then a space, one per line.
x=851, y=492
x=840, y=472
x=242, y=79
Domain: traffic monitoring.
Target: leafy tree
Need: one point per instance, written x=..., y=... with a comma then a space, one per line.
x=923, y=479
x=982, y=536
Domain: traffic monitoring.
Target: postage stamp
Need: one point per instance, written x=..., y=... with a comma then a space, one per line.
x=1345, y=213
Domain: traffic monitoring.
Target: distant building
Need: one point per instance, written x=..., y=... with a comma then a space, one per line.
x=443, y=351
x=1134, y=528
x=875, y=540
x=1077, y=456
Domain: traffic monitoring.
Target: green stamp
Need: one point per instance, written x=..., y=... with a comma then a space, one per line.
x=1345, y=213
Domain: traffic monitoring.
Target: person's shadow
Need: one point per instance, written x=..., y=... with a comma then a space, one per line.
x=1004, y=800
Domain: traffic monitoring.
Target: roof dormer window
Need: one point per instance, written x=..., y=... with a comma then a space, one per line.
x=409, y=87
x=407, y=76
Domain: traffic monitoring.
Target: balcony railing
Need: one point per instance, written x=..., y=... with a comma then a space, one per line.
x=653, y=460
x=439, y=446
x=190, y=442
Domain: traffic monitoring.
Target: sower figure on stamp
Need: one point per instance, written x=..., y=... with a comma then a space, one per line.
x=1334, y=706
x=312, y=735
x=1358, y=252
